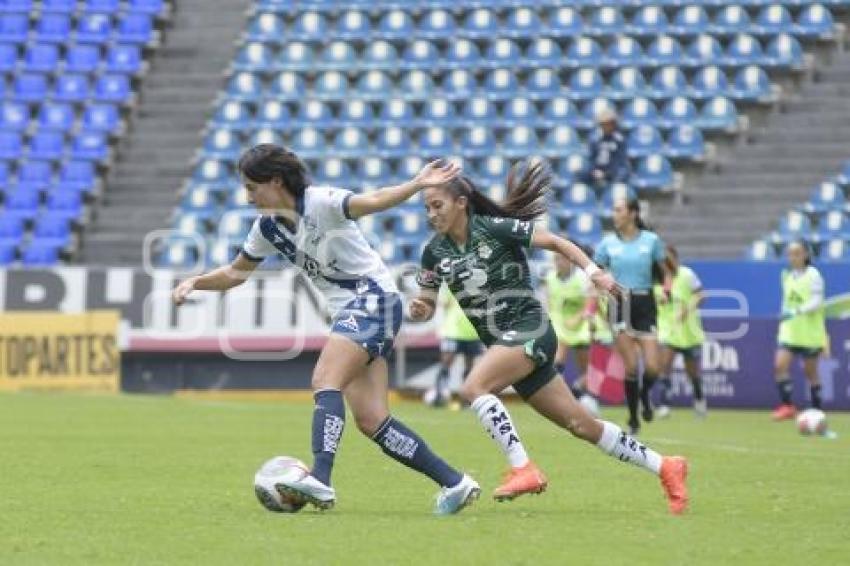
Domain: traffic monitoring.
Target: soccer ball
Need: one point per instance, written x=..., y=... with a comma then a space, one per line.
x=272, y=473
x=811, y=421
x=590, y=403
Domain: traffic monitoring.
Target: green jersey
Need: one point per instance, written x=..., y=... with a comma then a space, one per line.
x=672, y=331
x=802, y=291
x=567, y=298
x=488, y=276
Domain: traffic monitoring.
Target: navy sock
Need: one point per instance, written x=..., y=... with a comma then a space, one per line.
x=815, y=391
x=328, y=422
x=666, y=385
x=697, y=385
x=632, y=396
x=646, y=387
x=405, y=446
x=442, y=377
x=786, y=388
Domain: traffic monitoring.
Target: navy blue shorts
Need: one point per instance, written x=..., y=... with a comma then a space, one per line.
x=371, y=320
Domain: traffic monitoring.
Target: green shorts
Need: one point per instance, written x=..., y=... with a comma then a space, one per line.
x=541, y=350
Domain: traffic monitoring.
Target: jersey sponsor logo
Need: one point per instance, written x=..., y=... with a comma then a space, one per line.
x=400, y=444
x=485, y=251
x=350, y=323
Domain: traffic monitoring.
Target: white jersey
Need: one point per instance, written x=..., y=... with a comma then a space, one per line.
x=327, y=246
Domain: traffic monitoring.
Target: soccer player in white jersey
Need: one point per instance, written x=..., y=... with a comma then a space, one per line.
x=314, y=228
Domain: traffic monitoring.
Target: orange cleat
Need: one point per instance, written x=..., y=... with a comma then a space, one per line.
x=784, y=412
x=519, y=481
x=674, y=472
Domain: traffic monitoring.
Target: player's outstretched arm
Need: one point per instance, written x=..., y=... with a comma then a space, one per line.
x=221, y=279
x=433, y=174
x=544, y=239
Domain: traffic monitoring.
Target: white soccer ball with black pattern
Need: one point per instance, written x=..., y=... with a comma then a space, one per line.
x=270, y=475
x=812, y=421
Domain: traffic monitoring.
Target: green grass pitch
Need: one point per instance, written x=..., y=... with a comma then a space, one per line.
x=156, y=480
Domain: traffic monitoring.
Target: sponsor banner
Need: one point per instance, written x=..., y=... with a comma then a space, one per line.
x=51, y=351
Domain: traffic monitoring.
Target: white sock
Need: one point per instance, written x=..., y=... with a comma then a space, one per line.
x=497, y=421
x=625, y=448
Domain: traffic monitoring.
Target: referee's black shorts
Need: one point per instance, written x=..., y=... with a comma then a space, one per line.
x=635, y=312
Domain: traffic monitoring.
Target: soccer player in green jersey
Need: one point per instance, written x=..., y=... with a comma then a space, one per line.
x=479, y=253
x=802, y=331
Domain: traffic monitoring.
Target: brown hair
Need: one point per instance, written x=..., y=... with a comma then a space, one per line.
x=267, y=161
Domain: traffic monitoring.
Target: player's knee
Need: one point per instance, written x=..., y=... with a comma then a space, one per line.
x=578, y=426
x=369, y=424
x=470, y=391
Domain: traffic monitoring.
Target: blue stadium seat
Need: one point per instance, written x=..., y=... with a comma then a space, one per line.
x=584, y=52
x=135, y=29
x=614, y=193
x=30, y=88
x=112, y=88
x=784, y=51
x=502, y=53
x=704, y=50
x=199, y=199
x=331, y=85
x=743, y=50
x=678, y=111
x=773, y=19
x=708, y=82
x=14, y=116
x=437, y=24
x=665, y=50
x=416, y=85
x=8, y=253
x=438, y=112
x=753, y=84
x=396, y=25
x=761, y=250
x=572, y=166
x=420, y=54
x=477, y=142
x=435, y=142
x=309, y=26
x=71, y=88
x=826, y=196
x=462, y=54
x=685, y=142
x=265, y=135
x=353, y=25
x=10, y=145
x=690, y=20
x=53, y=28
x=288, y=86
x=481, y=24
x=315, y=114
x=478, y=111
x=37, y=174
x=793, y=225
x=565, y=21
x=149, y=7
x=222, y=144
x=519, y=142
x=396, y=111
x=103, y=118
x=48, y=146
x=653, y=172
x=543, y=84
x=843, y=178
x=273, y=114
x=649, y=21
x=814, y=21
x=266, y=27
x=14, y=28
x=232, y=114
x=638, y=112
x=374, y=172
x=180, y=253
x=731, y=19
x=349, y=143
x=561, y=141
x=522, y=23
x=334, y=172
x=22, y=202
x=77, y=176
x=254, y=57
x=8, y=58
x=380, y=55
x=593, y=108
x=393, y=143
x=59, y=6
x=624, y=51
x=212, y=172
x=668, y=82
x=337, y=56
x=606, y=21
x=644, y=140
x=585, y=227
x=835, y=250
x=493, y=170
x=124, y=59
x=543, y=52
x=90, y=146
x=518, y=112
x=833, y=224
x=586, y=84
x=296, y=56
x=82, y=59
x=500, y=84
x=18, y=6
x=94, y=28
x=718, y=114
x=4, y=175
x=52, y=229
x=579, y=198
x=40, y=254
x=460, y=84
x=101, y=6
x=11, y=230
x=626, y=83
x=561, y=110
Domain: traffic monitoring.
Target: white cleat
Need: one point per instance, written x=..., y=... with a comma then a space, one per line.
x=662, y=412
x=309, y=488
x=701, y=408
x=451, y=500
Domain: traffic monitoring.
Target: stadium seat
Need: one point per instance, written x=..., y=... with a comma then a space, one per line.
x=668, y=82
x=664, y=50
x=77, y=176
x=615, y=193
x=520, y=142
x=273, y=114
x=606, y=21
x=267, y=28
x=460, y=85
x=393, y=143
x=677, y=112
x=22, y=202
x=761, y=250
x=565, y=21
x=493, y=170
x=30, y=88
x=14, y=116
x=826, y=196
x=380, y=55
x=102, y=118
x=396, y=111
x=254, y=57
x=730, y=20
x=585, y=227
x=35, y=174
x=417, y=86
x=772, y=20
x=310, y=26
x=349, y=143
x=784, y=51
x=374, y=172
x=793, y=225
x=438, y=112
x=437, y=24
x=502, y=53
x=353, y=25
x=40, y=58
x=435, y=142
x=561, y=110
x=638, y=112
x=522, y=23
x=244, y=87
x=52, y=229
x=374, y=85
x=112, y=88
x=518, y=112
x=653, y=172
x=420, y=55
x=704, y=50
x=10, y=145
x=478, y=111
x=289, y=86
x=11, y=230
x=718, y=114
x=753, y=84
x=644, y=140
x=334, y=172
x=135, y=29
x=124, y=59
x=585, y=84
x=481, y=24
x=743, y=50
x=331, y=85
x=584, y=52
x=624, y=51
x=833, y=224
x=314, y=113
x=180, y=253
x=14, y=28
x=59, y=6
x=222, y=144
x=101, y=6
x=835, y=250
x=477, y=142
x=8, y=58
x=40, y=254
x=560, y=142
x=82, y=59
x=199, y=199
x=265, y=135
x=709, y=82
x=94, y=28
x=815, y=20
x=543, y=84
x=649, y=21
x=462, y=54
x=90, y=146
x=579, y=198
x=690, y=20
x=685, y=142
x=48, y=146
x=396, y=25
x=233, y=115
x=337, y=56
x=626, y=83
x=543, y=52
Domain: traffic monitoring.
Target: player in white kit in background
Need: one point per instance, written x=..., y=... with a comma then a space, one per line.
x=314, y=228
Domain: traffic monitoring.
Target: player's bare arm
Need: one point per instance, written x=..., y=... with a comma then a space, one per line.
x=544, y=239
x=220, y=279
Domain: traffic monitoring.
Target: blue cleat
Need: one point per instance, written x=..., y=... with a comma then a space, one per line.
x=451, y=500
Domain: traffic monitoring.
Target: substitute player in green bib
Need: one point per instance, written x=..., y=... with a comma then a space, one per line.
x=479, y=253
x=802, y=331
x=680, y=331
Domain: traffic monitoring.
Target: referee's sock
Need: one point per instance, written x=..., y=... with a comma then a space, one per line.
x=785, y=388
x=632, y=399
x=815, y=391
x=648, y=381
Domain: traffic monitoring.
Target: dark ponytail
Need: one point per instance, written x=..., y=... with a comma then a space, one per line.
x=267, y=161
x=634, y=206
x=527, y=186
